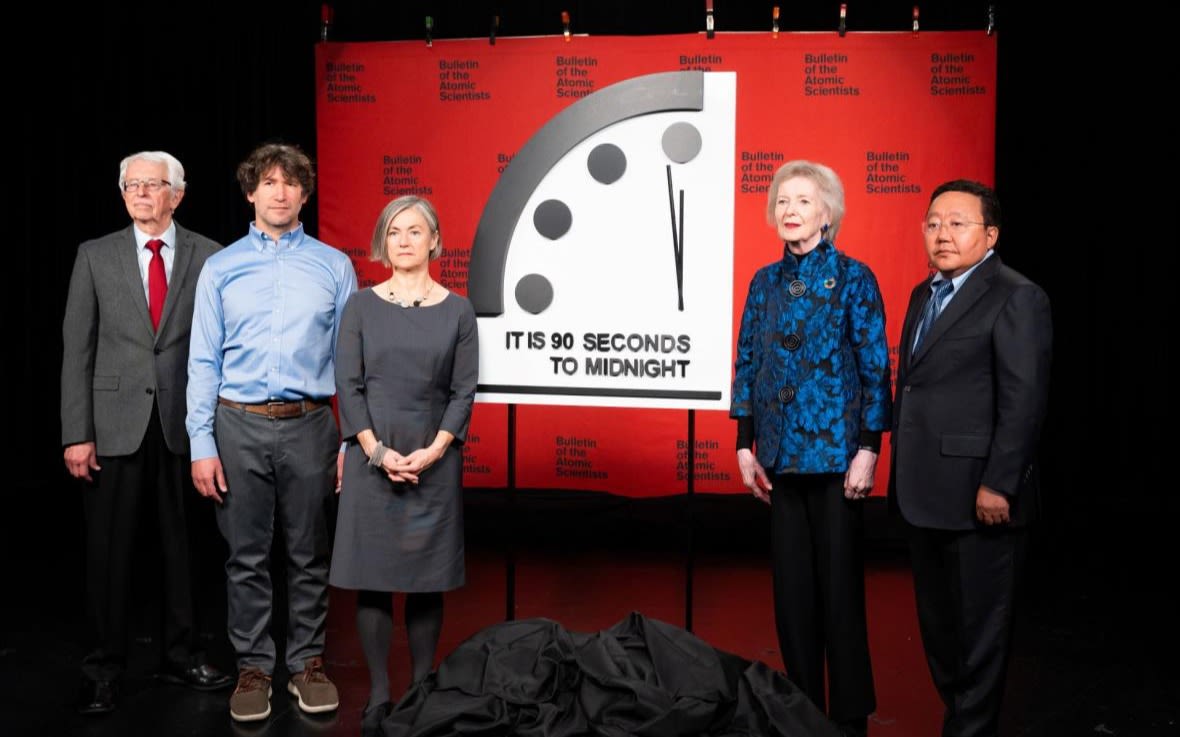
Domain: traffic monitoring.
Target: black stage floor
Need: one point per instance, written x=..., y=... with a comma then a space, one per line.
x=1094, y=652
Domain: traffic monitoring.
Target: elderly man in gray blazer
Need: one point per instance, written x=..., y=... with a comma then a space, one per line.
x=123, y=379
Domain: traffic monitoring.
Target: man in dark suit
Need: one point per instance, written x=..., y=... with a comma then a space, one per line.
x=123, y=377
x=972, y=384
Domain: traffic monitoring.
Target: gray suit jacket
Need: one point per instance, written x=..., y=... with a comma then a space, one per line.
x=114, y=365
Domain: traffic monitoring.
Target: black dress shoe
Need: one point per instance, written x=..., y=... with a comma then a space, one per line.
x=203, y=677
x=372, y=717
x=98, y=697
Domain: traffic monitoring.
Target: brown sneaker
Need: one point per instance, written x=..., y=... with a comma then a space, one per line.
x=250, y=701
x=315, y=692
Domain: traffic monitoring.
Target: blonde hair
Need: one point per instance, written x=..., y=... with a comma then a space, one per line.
x=831, y=190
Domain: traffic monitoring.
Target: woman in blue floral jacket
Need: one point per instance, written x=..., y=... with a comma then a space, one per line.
x=811, y=396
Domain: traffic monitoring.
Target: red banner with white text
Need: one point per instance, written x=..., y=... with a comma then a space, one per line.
x=602, y=201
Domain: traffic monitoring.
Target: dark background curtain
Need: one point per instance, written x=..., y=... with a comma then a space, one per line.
x=1079, y=133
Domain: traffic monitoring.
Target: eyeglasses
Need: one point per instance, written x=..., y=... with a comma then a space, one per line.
x=152, y=185
x=958, y=227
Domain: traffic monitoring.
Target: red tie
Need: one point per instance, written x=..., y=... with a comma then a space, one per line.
x=157, y=282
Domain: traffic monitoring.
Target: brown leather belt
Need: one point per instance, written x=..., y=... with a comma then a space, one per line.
x=277, y=410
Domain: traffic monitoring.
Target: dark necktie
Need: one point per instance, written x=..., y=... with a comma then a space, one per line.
x=933, y=309
x=157, y=282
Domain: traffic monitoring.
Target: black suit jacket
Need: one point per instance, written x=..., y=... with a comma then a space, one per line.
x=970, y=402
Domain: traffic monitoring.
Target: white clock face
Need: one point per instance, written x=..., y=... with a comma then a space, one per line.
x=616, y=279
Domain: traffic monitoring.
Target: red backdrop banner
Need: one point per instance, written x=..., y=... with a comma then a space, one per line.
x=895, y=114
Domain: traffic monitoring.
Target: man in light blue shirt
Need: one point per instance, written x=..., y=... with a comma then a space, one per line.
x=264, y=439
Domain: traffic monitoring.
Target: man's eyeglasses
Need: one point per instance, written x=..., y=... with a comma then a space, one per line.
x=958, y=227
x=151, y=185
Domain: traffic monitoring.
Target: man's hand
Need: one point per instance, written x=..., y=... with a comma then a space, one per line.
x=991, y=507
x=81, y=459
x=209, y=478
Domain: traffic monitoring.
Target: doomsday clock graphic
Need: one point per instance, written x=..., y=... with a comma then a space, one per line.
x=602, y=266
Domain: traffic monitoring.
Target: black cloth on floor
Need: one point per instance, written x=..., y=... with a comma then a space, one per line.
x=641, y=677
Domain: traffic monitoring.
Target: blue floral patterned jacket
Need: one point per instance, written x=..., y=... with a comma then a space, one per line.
x=812, y=363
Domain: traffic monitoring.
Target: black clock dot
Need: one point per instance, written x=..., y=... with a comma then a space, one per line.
x=606, y=163
x=552, y=219
x=534, y=293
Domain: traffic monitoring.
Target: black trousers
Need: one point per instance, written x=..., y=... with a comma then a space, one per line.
x=965, y=586
x=819, y=591
x=152, y=479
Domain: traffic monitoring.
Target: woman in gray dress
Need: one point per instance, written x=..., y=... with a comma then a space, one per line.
x=406, y=364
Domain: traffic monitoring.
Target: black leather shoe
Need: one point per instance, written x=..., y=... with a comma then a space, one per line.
x=203, y=677
x=98, y=697
x=372, y=717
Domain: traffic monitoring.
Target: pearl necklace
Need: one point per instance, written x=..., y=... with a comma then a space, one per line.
x=416, y=303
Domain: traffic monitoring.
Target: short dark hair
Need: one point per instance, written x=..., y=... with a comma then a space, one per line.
x=288, y=157
x=987, y=196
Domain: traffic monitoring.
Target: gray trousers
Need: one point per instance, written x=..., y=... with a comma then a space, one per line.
x=289, y=467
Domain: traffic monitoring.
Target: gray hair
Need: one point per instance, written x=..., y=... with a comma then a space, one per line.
x=831, y=190
x=175, y=170
x=392, y=210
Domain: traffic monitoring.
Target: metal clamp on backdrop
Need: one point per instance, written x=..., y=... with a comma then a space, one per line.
x=429, y=31
x=843, y=27
x=774, y=22
x=494, y=29
x=915, y=20
x=991, y=19
x=565, y=25
x=709, y=19
x=326, y=16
